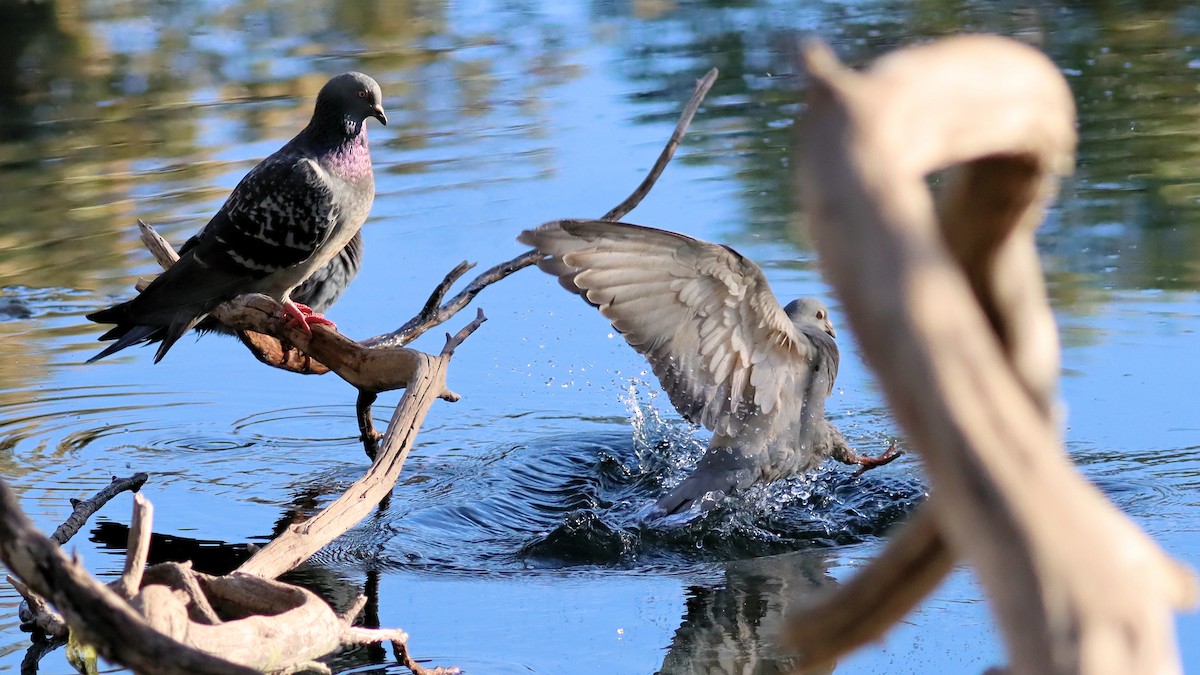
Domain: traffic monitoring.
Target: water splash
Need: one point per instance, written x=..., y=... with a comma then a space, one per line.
x=578, y=501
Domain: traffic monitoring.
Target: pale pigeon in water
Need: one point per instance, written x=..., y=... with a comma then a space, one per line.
x=286, y=219
x=729, y=357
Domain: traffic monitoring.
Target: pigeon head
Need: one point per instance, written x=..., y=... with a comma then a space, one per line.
x=346, y=101
x=810, y=311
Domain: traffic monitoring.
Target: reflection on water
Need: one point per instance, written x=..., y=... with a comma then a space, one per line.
x=734, y=627
x=523, y=498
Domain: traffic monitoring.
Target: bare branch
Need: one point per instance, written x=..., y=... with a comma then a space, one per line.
x=366, y=426
x=453, y=341
x=85, y=508
x=420, y=324
x=300, y=541
x=96, y=615
x=439, y=292
x=140, y=527
x=689, y=111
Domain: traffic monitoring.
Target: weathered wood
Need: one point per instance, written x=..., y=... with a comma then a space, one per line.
x=952, y=314
x=96, y=615
x=301, y=540
x=138, y=548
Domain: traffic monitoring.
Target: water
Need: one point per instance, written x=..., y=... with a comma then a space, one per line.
x=512, y=544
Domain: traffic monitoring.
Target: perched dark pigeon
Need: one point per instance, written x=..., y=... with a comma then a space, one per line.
x=286, y=219
x=729, y=357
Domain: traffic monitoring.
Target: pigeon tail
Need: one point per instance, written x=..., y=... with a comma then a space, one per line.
x=128, y=333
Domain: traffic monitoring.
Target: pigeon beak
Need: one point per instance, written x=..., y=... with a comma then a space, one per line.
x=377, y=113
x=829, y=329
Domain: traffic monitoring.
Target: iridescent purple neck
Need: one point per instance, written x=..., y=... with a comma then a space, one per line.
x=352, y=158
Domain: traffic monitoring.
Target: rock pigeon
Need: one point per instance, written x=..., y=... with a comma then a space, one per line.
x=729, y=357
x=287, y=218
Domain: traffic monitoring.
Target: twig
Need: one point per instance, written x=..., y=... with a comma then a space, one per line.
x=420, y=324
x=85, y=508
x=140, y=527
x=366, y=426
x=689, y=111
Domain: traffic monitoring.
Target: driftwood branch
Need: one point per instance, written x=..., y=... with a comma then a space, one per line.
x=96, y=615
x=83, y=509
x=948, y=303
x=302, y=540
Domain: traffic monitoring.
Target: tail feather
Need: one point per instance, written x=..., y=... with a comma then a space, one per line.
x=128, y=334
x=128, y=331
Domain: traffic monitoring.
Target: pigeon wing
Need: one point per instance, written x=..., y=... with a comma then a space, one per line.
x=701, y=314
x=276, y=217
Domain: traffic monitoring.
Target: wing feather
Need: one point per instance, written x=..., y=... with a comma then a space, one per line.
x=701, y=314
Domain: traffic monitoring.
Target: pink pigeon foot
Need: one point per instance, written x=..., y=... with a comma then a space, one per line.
x=303, y=317
x=866, y=463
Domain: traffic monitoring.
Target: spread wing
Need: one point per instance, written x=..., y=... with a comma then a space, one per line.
x=701, y=314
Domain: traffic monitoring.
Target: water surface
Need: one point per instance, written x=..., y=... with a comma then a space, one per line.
x=512, y=543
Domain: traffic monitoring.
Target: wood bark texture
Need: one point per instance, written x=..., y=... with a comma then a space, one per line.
x=948, y=303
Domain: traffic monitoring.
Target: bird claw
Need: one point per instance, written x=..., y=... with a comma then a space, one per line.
x=303, y=317
x=866, y=463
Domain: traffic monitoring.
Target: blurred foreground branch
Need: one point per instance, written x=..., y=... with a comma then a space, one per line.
x=948, y=302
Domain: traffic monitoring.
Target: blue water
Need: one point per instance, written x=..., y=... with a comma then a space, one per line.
x=512, y=543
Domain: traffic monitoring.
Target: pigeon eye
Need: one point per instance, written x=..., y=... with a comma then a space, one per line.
x=362, y=93
x=820, y=314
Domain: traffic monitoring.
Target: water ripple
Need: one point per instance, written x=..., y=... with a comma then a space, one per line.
x=577, y=501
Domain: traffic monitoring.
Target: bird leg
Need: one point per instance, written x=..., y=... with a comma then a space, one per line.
x=303, y=317
x=842, y=451
x=866, y=463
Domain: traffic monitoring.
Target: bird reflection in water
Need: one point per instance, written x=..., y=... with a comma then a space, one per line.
x=733, y=628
